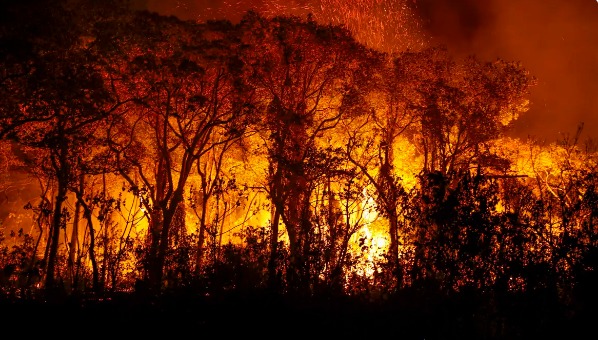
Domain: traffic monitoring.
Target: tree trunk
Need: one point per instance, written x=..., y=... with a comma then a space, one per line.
x=51, y=284
x=75, y=239
x=393, y=250
x=273, y=283
x=157, y=267
x=202, y=229
x=95, y=274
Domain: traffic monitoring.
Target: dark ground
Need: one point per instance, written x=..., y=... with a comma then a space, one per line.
x=268, y=316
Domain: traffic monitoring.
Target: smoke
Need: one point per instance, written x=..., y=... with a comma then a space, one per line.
x=556, y=40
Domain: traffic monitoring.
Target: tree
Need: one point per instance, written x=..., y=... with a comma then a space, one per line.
x=190, y=99
x=55, y=98
x=461, y=106
x=303, y=71
x=373, y=139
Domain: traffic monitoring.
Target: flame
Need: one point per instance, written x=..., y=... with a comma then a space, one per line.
x=375, y=23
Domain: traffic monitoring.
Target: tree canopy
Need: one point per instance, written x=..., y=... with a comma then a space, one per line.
x=280, y=154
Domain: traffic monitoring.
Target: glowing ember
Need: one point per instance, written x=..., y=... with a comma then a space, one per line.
x=388, y=25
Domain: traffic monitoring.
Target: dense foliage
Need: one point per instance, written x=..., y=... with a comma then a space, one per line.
x=280, y=156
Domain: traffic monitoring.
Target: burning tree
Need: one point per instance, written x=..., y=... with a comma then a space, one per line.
x=188, y=98
x=168, y=107
x=303, y=72
x=55, y=100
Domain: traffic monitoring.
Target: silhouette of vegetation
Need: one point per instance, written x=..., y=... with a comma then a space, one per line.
x=205, y=171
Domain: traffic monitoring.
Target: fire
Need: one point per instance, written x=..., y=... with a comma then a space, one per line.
x=368, y=205
x=370, y=247
x=408, y=162
x=388, y=25
x=343, y=169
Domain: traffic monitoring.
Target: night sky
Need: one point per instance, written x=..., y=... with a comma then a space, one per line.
x=556, y=40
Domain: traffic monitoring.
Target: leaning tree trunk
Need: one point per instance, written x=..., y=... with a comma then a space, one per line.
x=59, y=163
x=51, y=284
x=75, y=240
x=205, y=196
x=273, y=282
x=87, y=213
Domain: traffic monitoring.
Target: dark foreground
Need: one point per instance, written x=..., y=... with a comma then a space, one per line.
x=268, y=316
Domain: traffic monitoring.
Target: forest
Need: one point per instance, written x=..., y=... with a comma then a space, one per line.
x=195, y=168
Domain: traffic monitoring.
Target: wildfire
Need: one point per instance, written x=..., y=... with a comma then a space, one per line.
x=223, y=136
x=388, y=25
x=370, y=248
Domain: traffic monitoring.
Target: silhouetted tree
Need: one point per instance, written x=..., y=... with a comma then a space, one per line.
x=303, y=70
x=190, y=100
x=56, y=97
x=461, y=105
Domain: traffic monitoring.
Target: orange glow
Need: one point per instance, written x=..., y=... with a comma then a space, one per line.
x=225, y=134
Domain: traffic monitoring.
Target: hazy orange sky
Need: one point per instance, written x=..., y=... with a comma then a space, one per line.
x=556, y=40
